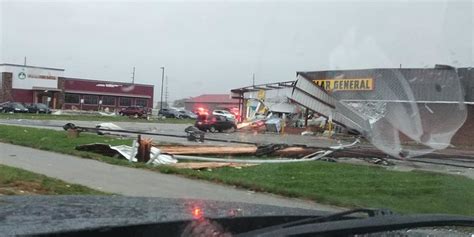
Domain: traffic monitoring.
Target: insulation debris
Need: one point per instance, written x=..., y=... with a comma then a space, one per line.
x=106, y=126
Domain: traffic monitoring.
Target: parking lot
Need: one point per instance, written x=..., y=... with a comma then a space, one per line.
x=178, y=129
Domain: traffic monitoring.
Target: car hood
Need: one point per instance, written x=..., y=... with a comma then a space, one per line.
x=45, y=214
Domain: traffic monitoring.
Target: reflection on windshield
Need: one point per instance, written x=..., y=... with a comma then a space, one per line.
x=315, y=105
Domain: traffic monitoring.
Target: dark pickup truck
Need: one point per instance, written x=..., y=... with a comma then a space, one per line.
x=214, y=123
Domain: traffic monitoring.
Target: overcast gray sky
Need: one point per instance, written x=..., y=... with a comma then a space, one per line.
x=212, y=47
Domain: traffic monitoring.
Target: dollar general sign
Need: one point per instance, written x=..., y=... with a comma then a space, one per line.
x=354, y=84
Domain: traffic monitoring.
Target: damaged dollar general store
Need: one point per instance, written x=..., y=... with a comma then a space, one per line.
x=382, y=95
x=346, y=84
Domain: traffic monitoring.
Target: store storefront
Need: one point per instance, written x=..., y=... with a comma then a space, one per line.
x=30, y=84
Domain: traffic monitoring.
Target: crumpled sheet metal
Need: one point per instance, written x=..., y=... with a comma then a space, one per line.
x=128, y=152
x=156, y=157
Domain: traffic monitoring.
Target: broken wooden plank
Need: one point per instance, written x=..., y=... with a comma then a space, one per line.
x=209, y=150
x=233, y=150
x=294, y=152
x=209, y=165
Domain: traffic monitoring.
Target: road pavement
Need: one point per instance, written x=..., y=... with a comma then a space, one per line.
x=136, y=182
x=178, y=129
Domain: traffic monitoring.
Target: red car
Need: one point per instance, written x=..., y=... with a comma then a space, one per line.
x=134, y=111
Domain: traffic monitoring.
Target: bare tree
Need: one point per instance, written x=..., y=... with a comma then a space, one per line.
x=179, y=103
x=165, y=104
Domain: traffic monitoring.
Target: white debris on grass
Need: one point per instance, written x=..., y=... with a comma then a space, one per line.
x=82, y=112
x=157, y=158
x=107, y=114
x=109, y=126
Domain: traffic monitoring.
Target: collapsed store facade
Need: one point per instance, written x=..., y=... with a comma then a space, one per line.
x=409, y=99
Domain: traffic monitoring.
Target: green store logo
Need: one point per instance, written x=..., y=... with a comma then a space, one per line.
x=22, y=75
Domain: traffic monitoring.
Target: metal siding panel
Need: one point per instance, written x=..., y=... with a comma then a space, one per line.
x=305, y=100
x=339, y=114
x=311, y=88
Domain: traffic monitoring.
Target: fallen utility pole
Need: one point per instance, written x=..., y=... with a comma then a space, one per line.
x=88, y=129
x=315, y=156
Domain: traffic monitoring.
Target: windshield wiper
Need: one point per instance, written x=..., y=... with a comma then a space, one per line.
x=341, y=224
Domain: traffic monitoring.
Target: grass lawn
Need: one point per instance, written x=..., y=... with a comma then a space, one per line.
x=92, y=118
x=51, y=140
x=331, y=183
x=15, y=181
x=351, y=185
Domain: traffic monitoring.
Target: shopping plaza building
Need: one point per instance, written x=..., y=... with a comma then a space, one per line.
x=31, y=84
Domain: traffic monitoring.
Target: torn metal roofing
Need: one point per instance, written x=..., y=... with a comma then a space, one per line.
x=267, y=86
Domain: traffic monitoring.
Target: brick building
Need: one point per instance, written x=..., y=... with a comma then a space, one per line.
x=211, y=102
x=30, y=84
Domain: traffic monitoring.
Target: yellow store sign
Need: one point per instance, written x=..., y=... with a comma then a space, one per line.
x=354, y=84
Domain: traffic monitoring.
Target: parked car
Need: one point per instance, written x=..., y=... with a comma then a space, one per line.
x=214, y=123
x=133, y=111
x=1, y=106
x=14, y=107
x=169, y=113
x=187, y=114
x=224, y=113
x=38, y=108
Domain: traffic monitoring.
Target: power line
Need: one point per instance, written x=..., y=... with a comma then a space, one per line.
x=166, y=90
x=133, y=76
x=162, y=80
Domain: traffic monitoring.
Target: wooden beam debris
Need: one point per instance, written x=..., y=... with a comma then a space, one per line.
x=144, y=149
x=247, y=150
x=209, y=165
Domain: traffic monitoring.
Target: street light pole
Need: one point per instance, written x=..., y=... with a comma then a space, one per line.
x=162, y=81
